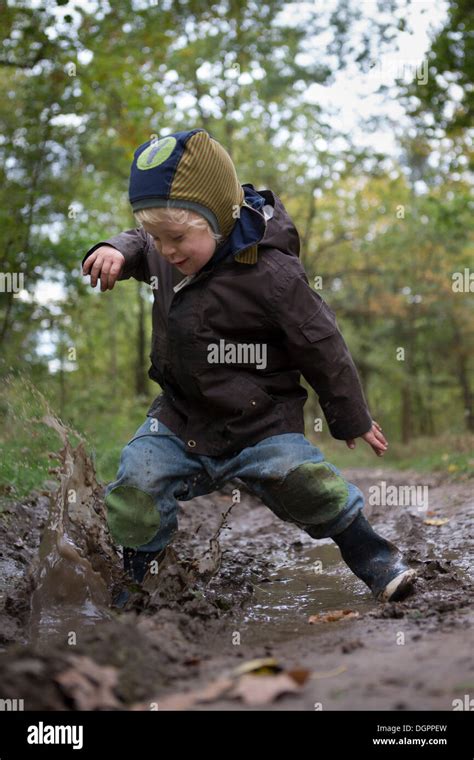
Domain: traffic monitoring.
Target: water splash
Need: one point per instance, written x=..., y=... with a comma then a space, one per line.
x=77, y=560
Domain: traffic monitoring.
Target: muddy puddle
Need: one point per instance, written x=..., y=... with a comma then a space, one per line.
x=237, y=584
x=298, y=589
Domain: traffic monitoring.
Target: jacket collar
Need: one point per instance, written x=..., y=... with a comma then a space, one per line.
x=252, y=235
x=248, y=230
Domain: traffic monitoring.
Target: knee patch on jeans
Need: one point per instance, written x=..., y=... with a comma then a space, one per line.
x=132, y=516
x=313, y=493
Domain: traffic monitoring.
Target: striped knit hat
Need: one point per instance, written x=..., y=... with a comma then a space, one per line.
x=192, y=170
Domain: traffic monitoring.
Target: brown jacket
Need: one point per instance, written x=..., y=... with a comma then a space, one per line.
x=218, y=402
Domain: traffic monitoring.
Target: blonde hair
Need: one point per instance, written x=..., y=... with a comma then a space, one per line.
x=185, y=216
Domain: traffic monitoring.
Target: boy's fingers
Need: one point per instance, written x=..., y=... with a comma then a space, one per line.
x=373, y=441
x=88, y=263
x=378, y=431
x=95, y=271
x=379, y=448
x=380, y=437
x=104, y=275
x=375, y=436
x=114, y=273
x=102, y=266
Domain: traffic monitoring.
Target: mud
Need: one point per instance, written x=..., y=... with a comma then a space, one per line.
x=236, y=585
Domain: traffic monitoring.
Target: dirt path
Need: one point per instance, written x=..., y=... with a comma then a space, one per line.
x=178, y=643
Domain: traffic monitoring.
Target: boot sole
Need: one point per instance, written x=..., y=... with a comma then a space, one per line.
x=398, y=588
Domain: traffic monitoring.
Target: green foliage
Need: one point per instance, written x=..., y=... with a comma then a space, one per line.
x=28, y=447
x=451, y=62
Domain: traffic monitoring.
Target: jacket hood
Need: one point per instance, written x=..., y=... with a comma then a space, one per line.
x=263, y=222
x=281, y=232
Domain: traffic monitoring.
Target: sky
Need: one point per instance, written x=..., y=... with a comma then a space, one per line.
x=353, y=97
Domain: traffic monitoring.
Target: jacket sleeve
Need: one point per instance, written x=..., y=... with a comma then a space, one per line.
x=135, y=245
x=318, y=350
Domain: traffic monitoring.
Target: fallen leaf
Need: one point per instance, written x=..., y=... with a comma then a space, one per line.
x=436, y=521
x=258, y=690
x=333, y=616
x=89, y=685
x=183, y=701
x=299, y=676
x=253, y=688
x=262, y=666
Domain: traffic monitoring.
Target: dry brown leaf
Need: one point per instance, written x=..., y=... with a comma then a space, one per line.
x=253, y=688
x=90, y=685
x=258, y=690
x=183, y=701
x=333, y=617
x=263, y=665
x=299, y=676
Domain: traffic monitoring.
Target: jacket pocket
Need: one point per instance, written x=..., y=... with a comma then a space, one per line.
x=320, y=325
x=158, y=357
x=249, y=397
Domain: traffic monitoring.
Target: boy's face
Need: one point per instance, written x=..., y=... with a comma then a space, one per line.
x=187, y=248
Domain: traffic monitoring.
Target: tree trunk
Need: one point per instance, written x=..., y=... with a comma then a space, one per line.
x=462, y=375
x=467, y=395
x=406, y=413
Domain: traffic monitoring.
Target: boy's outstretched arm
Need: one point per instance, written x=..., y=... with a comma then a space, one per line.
x=317, y=348
x=134, y=245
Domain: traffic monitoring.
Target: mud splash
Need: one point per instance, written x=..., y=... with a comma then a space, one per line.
x=78, y=570
x=74, y=572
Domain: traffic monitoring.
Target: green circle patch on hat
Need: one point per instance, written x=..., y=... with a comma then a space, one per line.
x=156, y=153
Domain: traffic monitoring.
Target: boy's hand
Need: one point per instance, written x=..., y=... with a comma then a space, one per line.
x=374, y=438
x=107, y=263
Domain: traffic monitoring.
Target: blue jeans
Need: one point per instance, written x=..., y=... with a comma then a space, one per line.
x=286, y=472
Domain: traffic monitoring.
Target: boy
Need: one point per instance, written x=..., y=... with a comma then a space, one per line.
x=230, y=341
